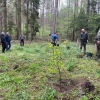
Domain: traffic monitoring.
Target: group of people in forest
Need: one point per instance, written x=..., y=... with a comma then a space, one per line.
x=83, y=41
x=6, y=41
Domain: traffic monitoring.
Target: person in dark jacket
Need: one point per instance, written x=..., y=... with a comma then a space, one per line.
x=22, y=40
x=97, y=42
x=8, y=41
x=84, y=40
x=3, y=42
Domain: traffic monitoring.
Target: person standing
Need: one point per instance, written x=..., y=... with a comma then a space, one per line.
x=83, y=39
x=3, y=41
x=22, y=40
x=97, y=44
x=54, y=38
x=8, y=41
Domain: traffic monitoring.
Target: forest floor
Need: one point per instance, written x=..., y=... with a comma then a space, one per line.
x=32, y=73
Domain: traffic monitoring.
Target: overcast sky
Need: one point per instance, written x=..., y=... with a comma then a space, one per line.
x=64, y=2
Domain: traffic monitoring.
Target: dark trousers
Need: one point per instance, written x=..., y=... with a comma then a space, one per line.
x=8, y=45
x=83, y=44
x=21, y=42
x=98, y=52
x=54, y=42
x=3, y=47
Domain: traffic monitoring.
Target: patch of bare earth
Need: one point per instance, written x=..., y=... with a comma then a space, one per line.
x=67, y=85
x=1, y=71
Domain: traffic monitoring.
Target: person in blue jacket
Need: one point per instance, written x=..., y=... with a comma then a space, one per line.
x=54, y=38
x=8, y=41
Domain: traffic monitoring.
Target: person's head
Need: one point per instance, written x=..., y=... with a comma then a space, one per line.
x=56, y=32
x=3, y=33
x=7, y=33
x=83, y=30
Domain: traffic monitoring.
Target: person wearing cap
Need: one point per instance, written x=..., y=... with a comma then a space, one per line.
x=8, y=41
x=3, y=41
x=83, y=39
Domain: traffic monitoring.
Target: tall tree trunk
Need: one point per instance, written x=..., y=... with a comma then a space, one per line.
x=57, y=7
x=81, y=5
x=27, y=21
x=76, y=7
x=75, y=13
x=16, y=19
x=0, y=25
x=5, y=16
x=98, y=6
x=31, y=33
x=88, y=10
x=73, y=35
x=52, y=12
x=88, y=6
x=32, y=26
x=0, y=22
x=42, y=16
x=68, y=15
x=19, y=19
x=55, y=16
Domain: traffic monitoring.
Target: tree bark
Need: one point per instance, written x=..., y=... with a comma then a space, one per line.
x=42, y=16
x=5, y=16
x=81, y=4
x=0, y=22
x=16, y=4
x=27, y=21
x=88, y=6
x=88, y=10
x=19, y=19
x=55, y=16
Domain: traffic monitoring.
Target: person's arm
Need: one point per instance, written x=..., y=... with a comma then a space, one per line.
x=87, y=37
x=19, y=37
x=10, y=38
x=81, y=36
x=24, y=37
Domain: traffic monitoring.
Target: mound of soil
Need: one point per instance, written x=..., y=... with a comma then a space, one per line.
x=15, y=67
x=67, y=85
x=1, y=71
x=87, y=86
